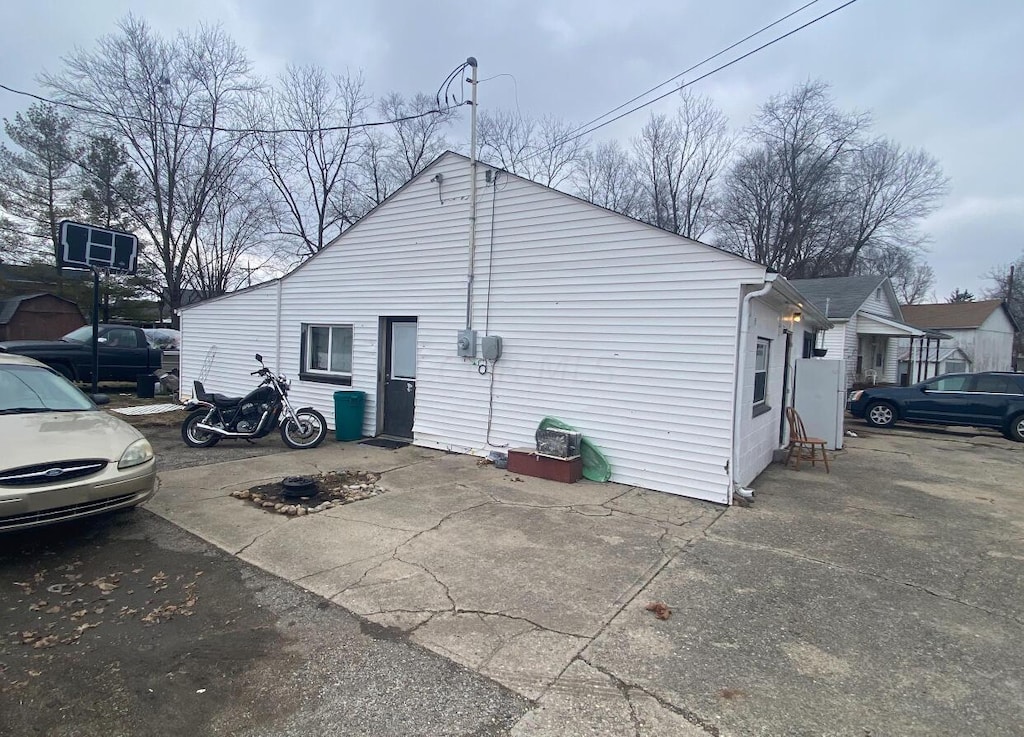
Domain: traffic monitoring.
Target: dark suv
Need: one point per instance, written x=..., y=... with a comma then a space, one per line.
x=990, y=399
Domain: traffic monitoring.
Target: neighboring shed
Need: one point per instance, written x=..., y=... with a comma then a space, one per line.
x=38, y=317
x=982, y=331
x=867, y=320
x=670, y=355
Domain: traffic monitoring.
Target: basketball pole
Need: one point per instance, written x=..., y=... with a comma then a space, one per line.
x=95, y=330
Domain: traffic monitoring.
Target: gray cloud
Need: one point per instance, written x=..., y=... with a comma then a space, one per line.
x=934, y=73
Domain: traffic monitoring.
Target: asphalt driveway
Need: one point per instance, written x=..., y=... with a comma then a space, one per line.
x=884, y=598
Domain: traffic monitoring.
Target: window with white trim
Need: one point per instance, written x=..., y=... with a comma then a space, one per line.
x=761, y=359
x=327, y=353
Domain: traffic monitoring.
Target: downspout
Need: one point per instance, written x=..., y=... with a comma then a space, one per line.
x=741, y=372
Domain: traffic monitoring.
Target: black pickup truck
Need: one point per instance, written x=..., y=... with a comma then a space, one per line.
x=124, y=353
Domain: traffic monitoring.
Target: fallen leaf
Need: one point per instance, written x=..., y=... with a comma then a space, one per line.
x=660, y=609
x=137, y=570
x=48, y=641
x=35, y=673
x=54, y=609
x=79, y=614
x=99, y=610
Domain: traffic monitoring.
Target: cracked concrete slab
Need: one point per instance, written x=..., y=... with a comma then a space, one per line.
x=221, y=520
x=318, y=543
x=514, y=652
x=394, y=586
x=760, y=642
x=588, y=703
x=561, y=570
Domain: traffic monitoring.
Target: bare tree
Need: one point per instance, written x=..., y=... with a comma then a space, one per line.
x=889, y=190
x=544, y=150
x=37, y=183
x=606, y=175
x=1008, y=285
x=911, y=277
x=812, y=195
x=395, y=153
x=682, y=158
x=232, y=233
x=312, y=163
x=784, y=199
x=172, y=102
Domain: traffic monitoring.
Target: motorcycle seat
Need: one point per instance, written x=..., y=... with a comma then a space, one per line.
x=222, y=401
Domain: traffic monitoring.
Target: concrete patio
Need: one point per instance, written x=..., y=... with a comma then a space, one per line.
x=881, y=599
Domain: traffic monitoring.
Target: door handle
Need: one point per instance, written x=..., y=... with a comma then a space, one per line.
x=408, y=387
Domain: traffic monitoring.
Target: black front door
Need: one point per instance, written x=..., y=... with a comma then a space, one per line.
x=399, y=376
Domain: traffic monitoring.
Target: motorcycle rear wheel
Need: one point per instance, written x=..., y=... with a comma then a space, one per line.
x=308, y=433
x=193, y=436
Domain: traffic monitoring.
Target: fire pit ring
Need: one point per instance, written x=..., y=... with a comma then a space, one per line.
x=298, y=486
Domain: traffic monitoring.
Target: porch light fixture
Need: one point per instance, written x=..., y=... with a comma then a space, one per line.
x=797, y=316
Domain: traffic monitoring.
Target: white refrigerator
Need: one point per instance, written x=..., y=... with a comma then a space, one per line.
x=819, y=396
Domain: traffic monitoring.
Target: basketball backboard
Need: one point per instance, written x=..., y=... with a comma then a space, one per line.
x=86, y=246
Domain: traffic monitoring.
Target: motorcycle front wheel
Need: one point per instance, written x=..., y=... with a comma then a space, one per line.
x=308, y=433
x=195, y=437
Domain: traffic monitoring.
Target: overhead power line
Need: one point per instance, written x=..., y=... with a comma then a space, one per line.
x=585, y=131
x=699, y=64
x=440, y=110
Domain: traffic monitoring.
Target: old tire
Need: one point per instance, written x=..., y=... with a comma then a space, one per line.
x=309, y=433
x=1015, y=430
x=880, y=414
x=193, y=436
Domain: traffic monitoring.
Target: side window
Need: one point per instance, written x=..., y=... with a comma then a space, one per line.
x=121, y=338
x=327, y=353
x=947, y=384
x=761, y=372
x=809, y=339
x=994, y=385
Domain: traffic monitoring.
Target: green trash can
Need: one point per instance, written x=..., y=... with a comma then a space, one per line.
x=348, y=415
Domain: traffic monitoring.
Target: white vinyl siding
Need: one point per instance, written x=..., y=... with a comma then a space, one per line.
x=626, y=332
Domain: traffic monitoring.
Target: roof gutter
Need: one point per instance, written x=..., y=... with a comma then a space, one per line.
x=741, y=371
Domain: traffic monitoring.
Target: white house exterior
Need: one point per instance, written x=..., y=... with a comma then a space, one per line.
x=980, y=337
x=868, y=321
x=631, y=334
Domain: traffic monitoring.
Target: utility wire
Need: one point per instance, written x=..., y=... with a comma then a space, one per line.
x=219, y=129
x=577, y=134
x=695, y=66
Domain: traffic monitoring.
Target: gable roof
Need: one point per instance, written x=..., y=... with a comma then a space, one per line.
x=838, y=297
x=9, y=306
x=955, y=315
x=422, y=174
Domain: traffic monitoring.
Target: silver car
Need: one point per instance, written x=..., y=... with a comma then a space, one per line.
x=61, y=457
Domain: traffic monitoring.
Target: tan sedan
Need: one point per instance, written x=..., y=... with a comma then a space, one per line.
x=61, y=457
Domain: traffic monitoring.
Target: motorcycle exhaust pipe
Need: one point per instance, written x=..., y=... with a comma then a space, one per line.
x=228, y=434
x=222, y=432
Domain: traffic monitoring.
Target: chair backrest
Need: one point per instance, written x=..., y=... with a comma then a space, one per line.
x=796, y=425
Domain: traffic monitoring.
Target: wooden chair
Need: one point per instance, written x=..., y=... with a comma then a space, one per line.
x=805, y=448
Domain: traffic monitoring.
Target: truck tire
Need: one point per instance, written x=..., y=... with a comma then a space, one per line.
x=64, y=370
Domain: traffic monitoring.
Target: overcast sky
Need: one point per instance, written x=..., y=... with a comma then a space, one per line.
x=945, y=75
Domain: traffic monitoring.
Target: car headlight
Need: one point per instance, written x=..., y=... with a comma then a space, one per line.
x=136, y=454
x=854, y=396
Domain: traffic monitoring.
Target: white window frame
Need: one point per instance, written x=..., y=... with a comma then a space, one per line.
x=307, y=341
x=763, y=401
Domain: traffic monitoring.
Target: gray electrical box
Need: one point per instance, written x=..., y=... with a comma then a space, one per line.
x=467, y=343
x=490, y=347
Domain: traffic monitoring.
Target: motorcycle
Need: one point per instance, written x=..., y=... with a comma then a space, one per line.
x=215, y=416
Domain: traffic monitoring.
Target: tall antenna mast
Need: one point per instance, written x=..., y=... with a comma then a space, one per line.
x=471, y=61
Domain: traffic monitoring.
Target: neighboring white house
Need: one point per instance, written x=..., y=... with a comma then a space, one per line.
x=867, y=319
x=980, y=338
x=668, y=354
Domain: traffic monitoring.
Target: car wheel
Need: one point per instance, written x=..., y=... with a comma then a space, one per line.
x=880, y=414
x=1016, y=429
x=194, y=436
